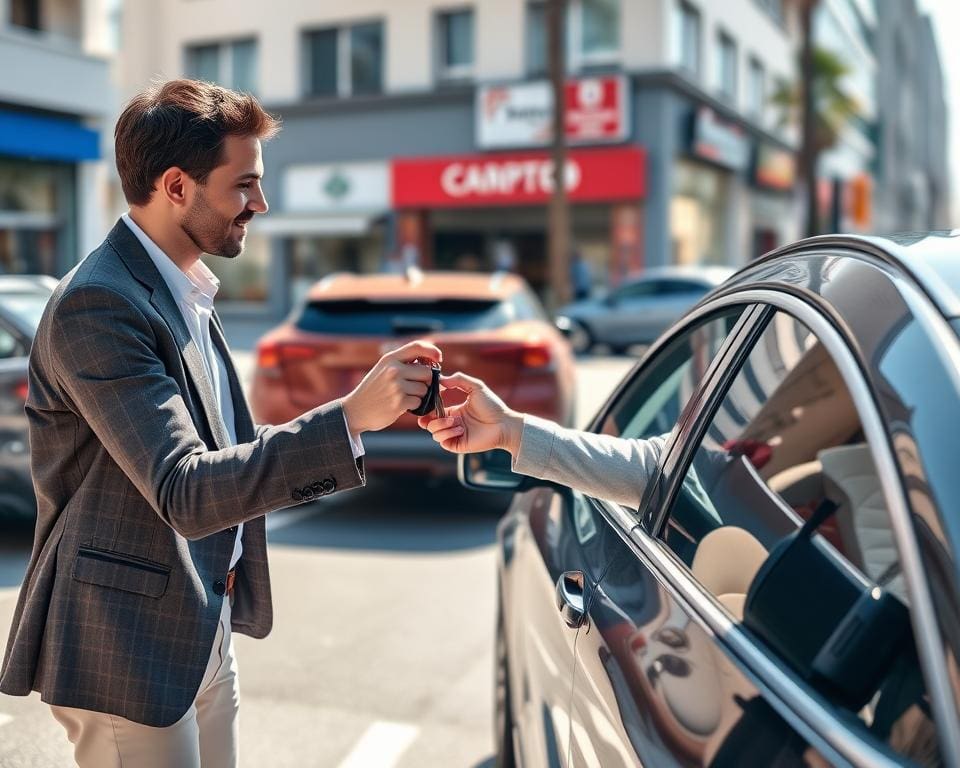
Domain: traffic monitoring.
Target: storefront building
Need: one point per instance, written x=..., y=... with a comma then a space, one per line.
x=659, y=173
x=54, y=97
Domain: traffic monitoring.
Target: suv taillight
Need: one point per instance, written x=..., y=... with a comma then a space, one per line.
x=20, y=390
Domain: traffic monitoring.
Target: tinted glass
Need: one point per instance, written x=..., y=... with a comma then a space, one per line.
x=375, y=318
x=366, y=58
x=785, y=449
x=322, y=62
x=457, y=43
x=536, y=38
x=652, y=403
x=244, y=65
x=601, y=26
x=203, y=62
x=8, y=345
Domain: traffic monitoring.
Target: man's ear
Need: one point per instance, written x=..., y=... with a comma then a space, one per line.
x=173, y=186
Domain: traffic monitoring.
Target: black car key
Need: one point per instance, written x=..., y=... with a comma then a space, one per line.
x=431, y=401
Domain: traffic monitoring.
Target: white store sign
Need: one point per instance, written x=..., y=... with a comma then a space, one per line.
x=332, y=187
x=596, y=112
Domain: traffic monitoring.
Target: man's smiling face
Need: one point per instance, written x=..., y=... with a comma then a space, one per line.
x=220, y=208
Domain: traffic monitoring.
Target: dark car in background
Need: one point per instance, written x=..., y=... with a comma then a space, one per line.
x=788, y=590
x=488, y=325
x=639, y=309
x=22, y=300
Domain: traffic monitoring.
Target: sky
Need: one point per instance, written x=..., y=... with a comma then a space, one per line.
x=946, y=19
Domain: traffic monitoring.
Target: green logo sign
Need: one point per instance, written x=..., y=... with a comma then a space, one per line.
x=337, y=186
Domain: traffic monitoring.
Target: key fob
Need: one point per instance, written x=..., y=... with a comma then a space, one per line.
x=429, y=401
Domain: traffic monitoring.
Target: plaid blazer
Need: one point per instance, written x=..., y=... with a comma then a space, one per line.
x=139, y=497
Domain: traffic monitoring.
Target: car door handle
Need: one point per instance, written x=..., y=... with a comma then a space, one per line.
x=570, y=598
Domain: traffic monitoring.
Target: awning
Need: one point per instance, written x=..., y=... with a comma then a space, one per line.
x=313, y=224
x=47, y=138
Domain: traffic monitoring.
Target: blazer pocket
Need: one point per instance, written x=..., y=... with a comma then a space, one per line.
x=119, y=571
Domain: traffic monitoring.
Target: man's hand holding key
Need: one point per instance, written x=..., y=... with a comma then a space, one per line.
x=397, y=383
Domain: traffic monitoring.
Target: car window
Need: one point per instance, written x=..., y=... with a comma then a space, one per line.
x=526, y=306
x=9, y=346
x=25, y=307
x=651, y=404
x=365, y=317
x=782, y=517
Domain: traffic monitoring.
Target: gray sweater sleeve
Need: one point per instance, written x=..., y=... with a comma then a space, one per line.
x=603, y=466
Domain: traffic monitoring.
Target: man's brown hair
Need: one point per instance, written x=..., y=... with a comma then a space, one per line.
x=182, y=123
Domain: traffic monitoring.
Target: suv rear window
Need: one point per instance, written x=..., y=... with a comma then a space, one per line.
x=365, y=317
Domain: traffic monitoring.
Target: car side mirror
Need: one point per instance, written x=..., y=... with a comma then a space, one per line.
x=488, y=471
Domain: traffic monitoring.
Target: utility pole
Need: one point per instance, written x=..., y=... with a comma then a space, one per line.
x=559, y=215
x=808, y=147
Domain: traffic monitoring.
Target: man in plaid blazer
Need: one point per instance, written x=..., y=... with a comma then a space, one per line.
x=152, y=480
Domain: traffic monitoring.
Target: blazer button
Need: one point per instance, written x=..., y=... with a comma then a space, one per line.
x=329, y=485
x=317, y=488
x=307, y=492
x=297, y=495
x=233, y=529
x=219, y=587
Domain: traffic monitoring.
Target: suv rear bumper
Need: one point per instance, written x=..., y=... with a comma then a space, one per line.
x=406, y=451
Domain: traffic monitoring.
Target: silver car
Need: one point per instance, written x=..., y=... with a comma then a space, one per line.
x=22, y=300
x=638, y=310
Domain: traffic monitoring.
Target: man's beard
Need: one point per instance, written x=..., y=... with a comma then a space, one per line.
x=210, y=231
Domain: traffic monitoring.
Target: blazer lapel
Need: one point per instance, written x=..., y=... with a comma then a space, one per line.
x=246, y=432
x=141, y=266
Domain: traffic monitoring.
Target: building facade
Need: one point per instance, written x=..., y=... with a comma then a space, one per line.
x=912, y=160
x=55, y=99
x=418, y=131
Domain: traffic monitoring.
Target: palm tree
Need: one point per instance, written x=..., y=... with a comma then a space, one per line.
x=831, y=109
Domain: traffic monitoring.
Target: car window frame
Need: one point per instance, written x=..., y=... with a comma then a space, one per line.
x=625, y=518
x=680, y=452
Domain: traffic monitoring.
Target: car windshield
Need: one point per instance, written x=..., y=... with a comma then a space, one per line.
x=25, y=307
x=367, y=317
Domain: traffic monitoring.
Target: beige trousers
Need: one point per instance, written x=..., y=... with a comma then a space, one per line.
x=205, y=737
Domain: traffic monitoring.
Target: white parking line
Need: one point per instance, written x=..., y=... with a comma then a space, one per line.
x=381, y=745
x=285, y=517
x=5, y=719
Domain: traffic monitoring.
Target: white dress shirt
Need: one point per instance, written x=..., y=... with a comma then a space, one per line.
x=194, y=291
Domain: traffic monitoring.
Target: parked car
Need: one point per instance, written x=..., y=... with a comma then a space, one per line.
x=488, y=325
x=22, y=299
x=638, y=310
x=787, y=591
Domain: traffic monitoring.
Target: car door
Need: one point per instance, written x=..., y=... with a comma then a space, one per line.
x=758, y=615
x=554, y=546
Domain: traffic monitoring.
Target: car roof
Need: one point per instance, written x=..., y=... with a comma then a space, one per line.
x=929, y=259
x=415, y=284
x=708, y=274
x=27, y=284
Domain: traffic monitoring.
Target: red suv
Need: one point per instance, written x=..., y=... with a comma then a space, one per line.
x=488, y=325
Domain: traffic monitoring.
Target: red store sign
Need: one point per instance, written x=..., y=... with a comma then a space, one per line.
x=591, y=175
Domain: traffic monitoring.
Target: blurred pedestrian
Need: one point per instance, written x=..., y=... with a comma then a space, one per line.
x=152, y=479
x=580, y=277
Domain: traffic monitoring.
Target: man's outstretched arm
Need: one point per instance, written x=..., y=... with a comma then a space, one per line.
x=102, y=351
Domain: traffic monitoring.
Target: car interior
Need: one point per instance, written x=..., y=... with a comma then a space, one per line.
x=782, y=518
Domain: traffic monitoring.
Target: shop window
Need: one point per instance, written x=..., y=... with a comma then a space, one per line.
x=455, y=44
x=232, y=64
x=687, y=37
x=25, y=14
x=727, y=67
x=344, y=61
x=244, y=279
x=756, y=89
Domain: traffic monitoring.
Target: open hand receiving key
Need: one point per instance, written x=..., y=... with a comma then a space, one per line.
x=481, y=423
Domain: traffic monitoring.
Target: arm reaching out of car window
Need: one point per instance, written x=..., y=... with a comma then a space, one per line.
x=604, y=466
